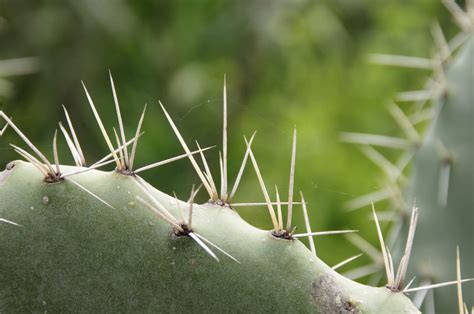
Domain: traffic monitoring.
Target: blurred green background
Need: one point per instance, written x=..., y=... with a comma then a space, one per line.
x=288, y=63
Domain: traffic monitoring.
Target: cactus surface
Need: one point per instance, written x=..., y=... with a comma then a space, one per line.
x=442, y=182
x=73, y=252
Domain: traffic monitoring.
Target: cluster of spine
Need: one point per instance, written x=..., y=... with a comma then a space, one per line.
x=441, y=178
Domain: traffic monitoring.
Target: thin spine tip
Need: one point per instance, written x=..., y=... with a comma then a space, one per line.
x=159, y=207
x=346, y=261
x=437, y=285
x=31, y=159
x=10, y=222
x=208, y=173
x=83, y=170
x=224, y=192
x=5, y=127
x=386, y=259
x=321, y=233
x=291, y=183
x=262, y=186
x=217, y=247
x=27, y=141
x=186, y=149
x=458, y=281
x=403, y=267
x=77, y=145
x=120, y=148
x=203, y=245
x=241, y=170
x=101, y=126
x=71, y=146
x=55, y=152
x=169, y=160
x=90, y=193
x=125, y=161
x=279, y=211
x=308, y=225
x=221, y=167
x=137, y=135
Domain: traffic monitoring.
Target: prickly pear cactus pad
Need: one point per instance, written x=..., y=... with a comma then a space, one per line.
x=75, y=238
x=69, y=250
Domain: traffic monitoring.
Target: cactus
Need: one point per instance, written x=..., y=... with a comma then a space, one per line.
x=75, y=251
x=77, y=238
x=442, y=178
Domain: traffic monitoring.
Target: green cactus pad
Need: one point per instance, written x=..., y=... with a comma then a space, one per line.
x=72, y=252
